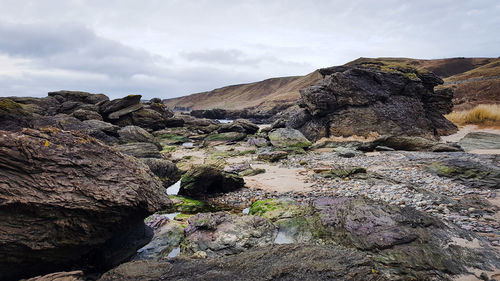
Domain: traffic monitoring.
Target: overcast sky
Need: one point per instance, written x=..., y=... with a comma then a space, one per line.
x=168, y=48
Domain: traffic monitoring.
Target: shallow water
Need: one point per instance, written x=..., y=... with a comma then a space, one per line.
x=174, y=253
x=246, y=211
x=174, y=188
x=283, y=238
x=224, y=121
x=171, y=216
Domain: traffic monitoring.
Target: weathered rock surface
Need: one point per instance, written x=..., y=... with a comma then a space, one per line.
x=67, y=200
x=403, y=243
x=240, y=126
x=287, y=137
x=366, y=99
x=205, y=180
x=216, y=139
x=222, y=233
x=272, y=156
x=13, y=117
x=165, y=169
x=480, y=140
x=135, y=134
x=410, y=144
x=76, y=275
x=140, y=149
x=278, y=262
x=468, y=171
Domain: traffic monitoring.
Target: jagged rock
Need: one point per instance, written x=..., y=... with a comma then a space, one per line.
x=221, y=233
x=287, y=137
x=204, y=180
x=13, y=117
x=209, y=113
x=240, y=126
x=166, y=170
x=366, y=99
x=135, y=134
x=140, y=149
x=76, y=96
x=83, y=115
x=67, y=200
x=125, y=111
x=118, y=104
x=61, y=121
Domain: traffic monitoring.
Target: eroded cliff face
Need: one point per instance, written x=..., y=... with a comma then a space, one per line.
x=372, y=99
x=67, y=200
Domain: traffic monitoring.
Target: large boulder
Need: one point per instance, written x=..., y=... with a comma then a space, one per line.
x=371, y=98
x=135, y=134
x=115, y=105
x=205, y=180
x=287, y=137
x=68, y=201
x=410, y=144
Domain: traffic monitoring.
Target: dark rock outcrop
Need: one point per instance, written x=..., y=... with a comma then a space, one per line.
x=140, y=149
x=366, y=99
x=13, y=117
x=205, y=180
x=68, y=201
x=165, y=169
x=409, y=144
x=240, y=126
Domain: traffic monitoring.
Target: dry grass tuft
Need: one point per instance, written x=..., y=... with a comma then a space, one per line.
x=483, y=114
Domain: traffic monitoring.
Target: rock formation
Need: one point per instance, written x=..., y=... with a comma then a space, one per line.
x=369, y=99
x=68, y=200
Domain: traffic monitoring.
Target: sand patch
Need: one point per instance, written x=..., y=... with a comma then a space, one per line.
x=279, y=179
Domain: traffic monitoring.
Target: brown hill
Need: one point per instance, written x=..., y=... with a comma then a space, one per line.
x=475, y=80
x=264, y=94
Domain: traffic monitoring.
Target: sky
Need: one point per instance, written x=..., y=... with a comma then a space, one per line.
x=170, y=48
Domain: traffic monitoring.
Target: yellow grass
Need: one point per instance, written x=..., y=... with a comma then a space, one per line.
x=483, y=114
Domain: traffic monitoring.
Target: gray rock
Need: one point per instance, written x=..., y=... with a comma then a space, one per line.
x=166, y=170
x=240, y=126
x=272, y=156
x=480, y=140
x=204, y=180
x=135, y=134
x=125, y=111
x=83, y=115
x=287, y=137
x=219, y=234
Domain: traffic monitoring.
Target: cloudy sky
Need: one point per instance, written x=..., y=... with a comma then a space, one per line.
x=168, y=48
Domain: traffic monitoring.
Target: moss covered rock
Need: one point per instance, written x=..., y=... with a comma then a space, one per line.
x=287, y=137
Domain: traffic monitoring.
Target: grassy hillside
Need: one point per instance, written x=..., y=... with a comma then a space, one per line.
x=475, y=81
x=265, y=94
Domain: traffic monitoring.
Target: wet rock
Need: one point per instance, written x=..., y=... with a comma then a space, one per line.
x=286, y=137
x=272, y=156
x=204, y=180
x=166, y=170
x=68, y=200
x=480, y=140
x=165, y=239
x=140, y=149
x=240, y=126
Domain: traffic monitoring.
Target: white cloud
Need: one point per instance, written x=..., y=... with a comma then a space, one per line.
x=172, y=47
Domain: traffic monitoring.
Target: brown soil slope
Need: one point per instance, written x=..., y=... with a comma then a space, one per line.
x=475, y=80
x=264, y=94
